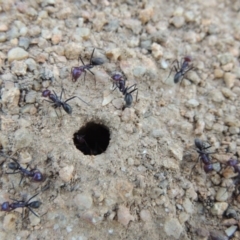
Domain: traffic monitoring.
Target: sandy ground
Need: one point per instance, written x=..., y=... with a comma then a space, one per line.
x=141, y=186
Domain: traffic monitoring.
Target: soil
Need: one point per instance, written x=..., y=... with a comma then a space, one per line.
x=148, y=183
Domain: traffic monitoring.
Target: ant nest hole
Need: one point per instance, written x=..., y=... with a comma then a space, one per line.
x=92, y=139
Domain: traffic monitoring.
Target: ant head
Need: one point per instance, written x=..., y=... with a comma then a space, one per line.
x=46, y=93
x=5, y=206
x=35, y=204
x=77, y=72
x=67, y=108
x=188, y=59
x=117, y=77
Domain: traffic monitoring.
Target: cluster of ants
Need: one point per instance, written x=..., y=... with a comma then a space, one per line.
x=204, y=157
x=119, y=81
x=35, y=175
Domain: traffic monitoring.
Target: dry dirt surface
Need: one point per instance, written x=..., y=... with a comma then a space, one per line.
x=148, y=183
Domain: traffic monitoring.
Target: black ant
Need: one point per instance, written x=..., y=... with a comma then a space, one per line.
x=120, y=83
x=7, y=207
x=203, y=155
x=77, y=71
x=57, y=101
x=181, y=68
x=34, y=174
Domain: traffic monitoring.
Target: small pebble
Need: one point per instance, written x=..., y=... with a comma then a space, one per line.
x=81, y=34
x=56, y=36
x=66, y=173
x=229, y=79
x=218, y=73
x=216, y=96
x=83, y=201
x=178, y=21
x=19, y=68
x=192, y=103
x=99, y=21
x=72, y=50
x=222, y=195
x=24, y=42
x=10, y=100
x=231, y=230
x=219, y=208
x=31, y=97
x=17, y=54
x=157, y=50
x=133, y=24
x=173, y=228
x=145, y=215
x=107, y=98
x=146, y=14
x=124, y=216
x=23, y=138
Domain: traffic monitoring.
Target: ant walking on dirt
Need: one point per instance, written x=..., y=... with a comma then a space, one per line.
x=7, y=207
x=57, y=100
x=77, y=71
x=181, y=68
x=120, y=82
x=34, y=174
x=204, y=156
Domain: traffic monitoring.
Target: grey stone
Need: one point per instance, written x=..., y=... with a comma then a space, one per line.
x=31, y=64
x=3, y=37
x=31, y=97
x=19, y=68
x=23, y=138
x=24, y=42
x=173, y=228
x=83, y=201
x=17, y=54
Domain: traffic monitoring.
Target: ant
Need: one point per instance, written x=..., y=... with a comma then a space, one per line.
x=119, y=81
x=77, y=71
x=57, y=101
x=203, y=155
x=181, y=68
x=7, y=207
x=34, y=174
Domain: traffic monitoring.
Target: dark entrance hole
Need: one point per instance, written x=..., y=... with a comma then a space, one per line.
x=92, y=139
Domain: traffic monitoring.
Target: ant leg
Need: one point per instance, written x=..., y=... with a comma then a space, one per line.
x=32, y=197
x=47, y=100
x=21, y=180
x=78, y=98
x=84, y=76
x=134, y=85
x=91, y=56
x=81, y=60
x=169, y=74
x=32, y=211
x=90, y=71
